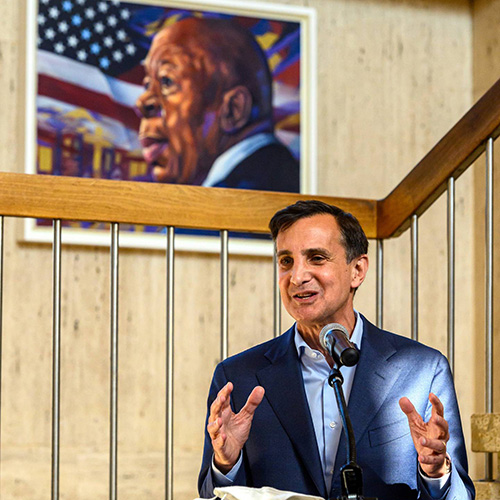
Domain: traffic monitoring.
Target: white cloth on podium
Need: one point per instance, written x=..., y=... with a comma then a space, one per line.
x=265, y=493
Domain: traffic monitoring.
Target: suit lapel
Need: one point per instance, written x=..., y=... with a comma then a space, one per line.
x=286, y=395
x=374, y=378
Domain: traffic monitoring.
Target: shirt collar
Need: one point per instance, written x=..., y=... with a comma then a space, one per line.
x=356, y=336
x=229, y=160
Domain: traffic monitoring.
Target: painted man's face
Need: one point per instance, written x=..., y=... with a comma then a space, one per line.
x=179, y=130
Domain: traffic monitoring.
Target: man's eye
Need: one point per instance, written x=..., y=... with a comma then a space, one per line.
x=286, y=261
x=166, y=82
x=146, y=83
x=317, y=258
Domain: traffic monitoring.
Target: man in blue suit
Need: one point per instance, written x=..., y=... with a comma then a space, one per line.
x=272, y=418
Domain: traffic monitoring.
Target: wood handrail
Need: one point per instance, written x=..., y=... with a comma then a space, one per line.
x=450, y=157
x=100, y=200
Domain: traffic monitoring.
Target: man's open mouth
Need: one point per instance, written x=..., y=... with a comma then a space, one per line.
x=305, y=295
x=153, y=148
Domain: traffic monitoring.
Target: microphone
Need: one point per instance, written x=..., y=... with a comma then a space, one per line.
x=335, y=339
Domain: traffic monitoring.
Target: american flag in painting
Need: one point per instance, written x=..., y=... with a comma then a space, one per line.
x=90, y=74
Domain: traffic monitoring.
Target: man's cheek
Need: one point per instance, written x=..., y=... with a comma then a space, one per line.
x=208, y=123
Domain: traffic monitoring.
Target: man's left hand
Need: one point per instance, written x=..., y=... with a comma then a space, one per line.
x=430, y=437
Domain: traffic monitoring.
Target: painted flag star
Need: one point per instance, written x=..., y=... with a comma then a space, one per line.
x=108, y=41
x=86, y=34
x=50, y=34
x=104, y=62
x=90, y=13
x=72, y=41
x=95, y=48
x=41, y=19
x=112, y=21
x=117, y=55
x=76, y=20
x=63, y=27
x=54, y=12
x=130, y=49
x=125, y=14
x=99, y=27
x=122, y=36
x=59, y=47
x=82, y=55
x=103, y=7
x=67, y=5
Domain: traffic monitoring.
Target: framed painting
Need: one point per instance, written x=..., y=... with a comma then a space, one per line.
x=213, y=93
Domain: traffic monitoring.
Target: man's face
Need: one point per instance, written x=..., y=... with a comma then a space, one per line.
x=315, y=280
x=178, y=131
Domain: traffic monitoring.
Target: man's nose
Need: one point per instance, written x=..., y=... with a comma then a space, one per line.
x=300, y=274
x=148, y=105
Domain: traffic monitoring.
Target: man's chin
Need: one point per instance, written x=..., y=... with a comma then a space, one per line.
x=176, y=169
x=166, y=173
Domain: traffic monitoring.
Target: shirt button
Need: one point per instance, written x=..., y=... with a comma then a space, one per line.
x=333, y=425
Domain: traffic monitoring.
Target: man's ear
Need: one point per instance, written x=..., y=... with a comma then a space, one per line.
x=359, y=271
x=236, y=109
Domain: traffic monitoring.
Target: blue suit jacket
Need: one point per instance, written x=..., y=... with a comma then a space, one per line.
x=281, y=450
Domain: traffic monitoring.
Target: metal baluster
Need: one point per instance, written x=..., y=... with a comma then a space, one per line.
x=451, y=273
x=489, y=295
x=56, y=354
x=169, y=445
x=113, y=462
x=1, y=327
x=224, y=299
x=276, y=297
x=380, y=283
x=414, y=277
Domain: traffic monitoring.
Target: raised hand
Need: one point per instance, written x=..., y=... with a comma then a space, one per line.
x=228, y=430
x=430, y=437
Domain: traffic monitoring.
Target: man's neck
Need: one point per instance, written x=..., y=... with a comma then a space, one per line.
x=311, y=333
x=228, y=140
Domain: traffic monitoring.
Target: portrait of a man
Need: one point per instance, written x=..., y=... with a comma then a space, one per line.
x=207, y=110
x=175, y=95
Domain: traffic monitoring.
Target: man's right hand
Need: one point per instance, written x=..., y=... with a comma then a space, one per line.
x=228, y=430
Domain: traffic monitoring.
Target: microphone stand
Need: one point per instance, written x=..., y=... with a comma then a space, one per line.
x=351, y=473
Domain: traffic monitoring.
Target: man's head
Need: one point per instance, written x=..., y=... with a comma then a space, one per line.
x=207, y=86
x=322, y=261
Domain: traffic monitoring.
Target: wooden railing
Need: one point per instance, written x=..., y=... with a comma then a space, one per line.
x=73, y=198
x=450, y=157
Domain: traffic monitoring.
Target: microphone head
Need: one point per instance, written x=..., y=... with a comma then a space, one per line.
x=334, y=338
x=349, y=356
x=326, y=339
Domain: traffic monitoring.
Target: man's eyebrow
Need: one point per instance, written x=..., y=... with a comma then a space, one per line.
x=309, y=251
x=167, y=62
x=283, y=252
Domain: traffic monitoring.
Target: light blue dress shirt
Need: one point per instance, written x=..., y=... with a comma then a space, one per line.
x=321, y=398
